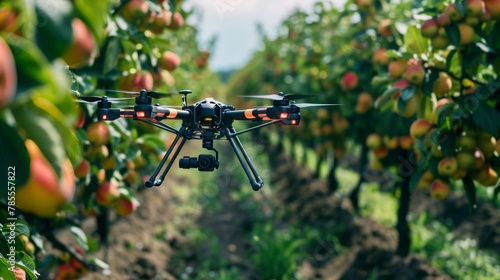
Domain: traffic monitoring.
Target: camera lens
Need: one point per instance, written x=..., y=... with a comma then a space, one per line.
x=205, y=162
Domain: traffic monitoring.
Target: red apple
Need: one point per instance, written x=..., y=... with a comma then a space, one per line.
x=466, y=33
x=415, y=74
x=8, y=19
x=45, y=193
x=8, y=76
x=384, y=28
x=380, y=57
x=135, y=11
x=66, y=271
x=364, y=104
x=107, y=193
x=406, y=142
x=349, y=81
x=19, y=273
x=125, y=206
x=493, y=7
x=440, y=189
x=160, y=22
x=443, y=19
x=442, y=85
x=374, y=141
x=169, y=61
x=83, y=47
x=447, y=166
x=397, y=68
x=380, y=152
x=177, y=21
x=98, y=133
x=137, y=81
x=411, y=106
x=429, y=28
x=419, y=128
x=486, y=176
x=474, y=7
x=83, y=169
x=453, y=12
x=391, y=142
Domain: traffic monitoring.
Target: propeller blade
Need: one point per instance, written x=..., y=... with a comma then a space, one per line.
x=281, y=96
x=304, y=105
x=156, y=94
x=92, y=99
x=151, y=93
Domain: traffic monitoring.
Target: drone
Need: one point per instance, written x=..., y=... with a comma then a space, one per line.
x=206, y=120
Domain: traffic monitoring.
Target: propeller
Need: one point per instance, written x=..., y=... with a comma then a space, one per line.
x=281, y=96
x=304, y=105
x=92, y=99
x=151, y=93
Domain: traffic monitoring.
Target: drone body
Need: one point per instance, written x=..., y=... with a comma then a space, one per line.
x=207, y=120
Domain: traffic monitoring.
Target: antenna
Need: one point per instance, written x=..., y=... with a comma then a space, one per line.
x=185, y=92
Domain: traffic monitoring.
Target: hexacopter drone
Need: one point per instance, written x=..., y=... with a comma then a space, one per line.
x=207, y=120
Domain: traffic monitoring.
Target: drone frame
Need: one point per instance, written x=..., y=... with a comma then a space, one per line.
x=207, y=120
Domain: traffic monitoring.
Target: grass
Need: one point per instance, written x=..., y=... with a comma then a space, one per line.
x=459, y=258
x=381, y=206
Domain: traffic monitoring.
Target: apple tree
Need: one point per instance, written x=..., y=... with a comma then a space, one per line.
x=62, y=165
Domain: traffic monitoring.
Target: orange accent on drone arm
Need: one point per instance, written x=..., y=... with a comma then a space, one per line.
x=172, y=114
x=249, y=114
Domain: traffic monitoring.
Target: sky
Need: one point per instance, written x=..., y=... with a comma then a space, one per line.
x=234, y=23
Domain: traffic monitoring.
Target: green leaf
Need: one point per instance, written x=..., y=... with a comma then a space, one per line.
x=496, y=192
x=22, y=229
x=112, y=52
x=486, y=118
x=385, y=97
x=414, y=42
x=151, y=142
x=71, y=141
x=5, y=273
x=37, y=126
x=431, y=76
x=415, y=178
x=453, y=33
x=81, y=237
x=407, y=93
x=13, y=154
x=32, y=67
x=470, y=193
x=473, y=58
x=54, y=29
x=27, y=264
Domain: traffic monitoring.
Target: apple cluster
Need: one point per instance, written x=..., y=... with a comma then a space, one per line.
x=107, y=192
x=469, y=156
x=463, y=16
x=144, y=20
x=69, y=267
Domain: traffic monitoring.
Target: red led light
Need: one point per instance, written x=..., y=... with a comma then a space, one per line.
x=294, y=122
x=141, y=114
x=283, y=115
x=104, y=117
